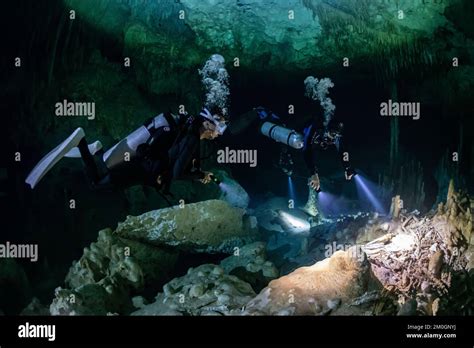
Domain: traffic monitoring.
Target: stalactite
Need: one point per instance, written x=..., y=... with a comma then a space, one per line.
x=394, y=131
x=55, y=47
x=66, y=41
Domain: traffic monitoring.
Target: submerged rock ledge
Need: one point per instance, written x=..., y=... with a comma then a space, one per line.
x=209, y=226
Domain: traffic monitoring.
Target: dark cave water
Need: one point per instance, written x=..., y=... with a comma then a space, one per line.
x=88, y=66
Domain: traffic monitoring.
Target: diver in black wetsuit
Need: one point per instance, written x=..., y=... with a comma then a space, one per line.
x=317, y=137
x=165, y=148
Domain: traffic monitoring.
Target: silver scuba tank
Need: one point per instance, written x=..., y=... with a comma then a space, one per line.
x=282, y=135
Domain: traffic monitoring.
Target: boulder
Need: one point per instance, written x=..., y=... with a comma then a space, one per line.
x=205, y=290
x=318, y=289
x=210, y=226
x=132, y=262
x=250, y=264
x=231, y=191
x=372, y=231
x=469, y=255
x=107, y=272
x=35, y=308
x=90, y=299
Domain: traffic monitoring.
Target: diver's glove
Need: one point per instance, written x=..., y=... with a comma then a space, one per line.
x=159, y=180
x=264, y=113
x=349, y=172
x=314, y=182
x=207, y=177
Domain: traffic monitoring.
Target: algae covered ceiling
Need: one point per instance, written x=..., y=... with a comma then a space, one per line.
x=281, y=34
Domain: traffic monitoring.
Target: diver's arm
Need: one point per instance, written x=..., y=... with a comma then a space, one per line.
x=313, y=180
x=309, y=156
x=309, y=151
x=255, y=117
x=188, y=150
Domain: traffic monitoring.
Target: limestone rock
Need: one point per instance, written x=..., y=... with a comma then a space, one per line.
x=117, y=258
x=267, y=213
x=307, y=33
x=209, y=226
x=317, y=289
x=408, y=308
x=205, y=290
x=35, y=308
x=469, y=255
x=231, y=191
x=263, y=31
x=249, y=263
x=139, y=302
x=109, y=270
x=89, y=299
x=435, y=264
x=372, y=231
x=457, y=211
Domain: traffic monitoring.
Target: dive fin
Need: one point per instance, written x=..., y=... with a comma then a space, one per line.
x=48, y=161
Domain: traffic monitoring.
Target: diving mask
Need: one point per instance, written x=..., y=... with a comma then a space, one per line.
x=219, y=123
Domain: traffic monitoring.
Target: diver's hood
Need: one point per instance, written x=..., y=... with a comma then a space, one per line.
x=221, y=125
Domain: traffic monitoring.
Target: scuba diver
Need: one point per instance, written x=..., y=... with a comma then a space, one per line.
x=318, y=137
x=164, y=148
x=321, y=133
x=285, y=161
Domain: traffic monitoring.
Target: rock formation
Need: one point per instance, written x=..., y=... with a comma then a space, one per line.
x=210, y=226
x=318, y=289
x=250, y=264
x=102, y=280
x=204, y=290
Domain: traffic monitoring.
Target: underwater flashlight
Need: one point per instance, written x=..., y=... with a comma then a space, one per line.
x=215, y=180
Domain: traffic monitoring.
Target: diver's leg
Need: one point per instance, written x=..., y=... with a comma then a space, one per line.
x=89, y=163
x=120, y=177
x=310, y=206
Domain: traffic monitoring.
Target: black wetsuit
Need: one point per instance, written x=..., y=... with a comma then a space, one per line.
x=171, y=151
x=316, y=136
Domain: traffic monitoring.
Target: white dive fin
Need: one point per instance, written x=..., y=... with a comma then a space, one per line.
x=48, y=161
x=93, y=148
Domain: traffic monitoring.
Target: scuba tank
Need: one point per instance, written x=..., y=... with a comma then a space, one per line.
x=283, y=135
